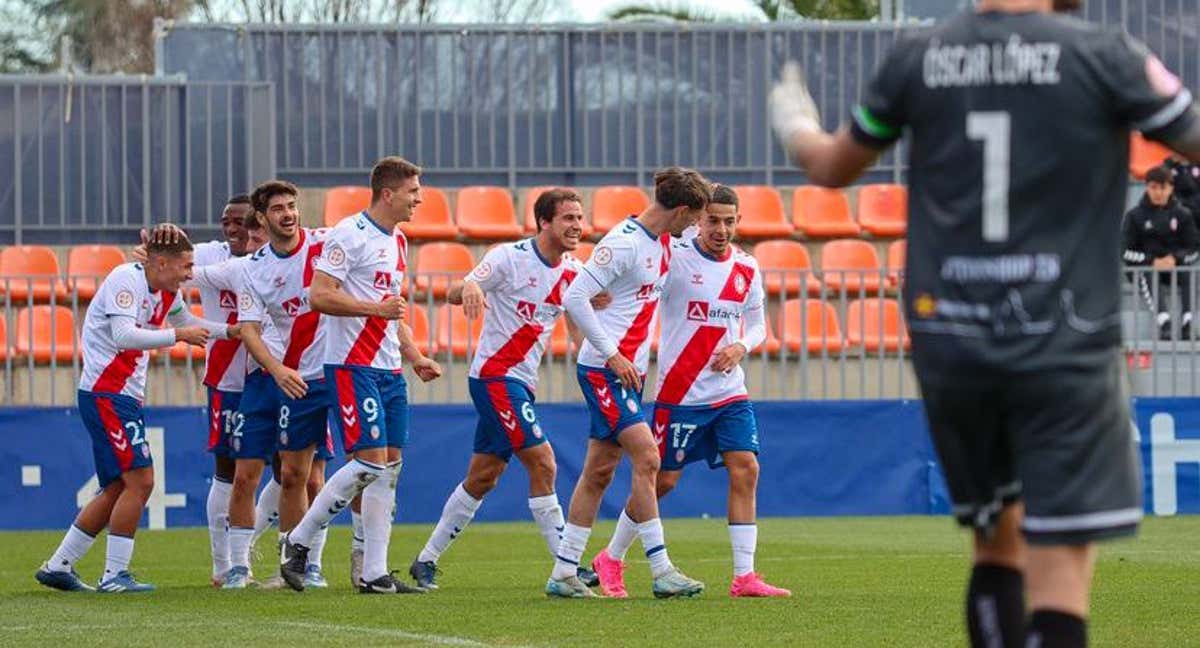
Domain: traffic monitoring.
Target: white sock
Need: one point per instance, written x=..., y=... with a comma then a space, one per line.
x=356, y=540
x=623, y=537
x=460, y=507
x=570, y=550
x=549, y=517
x=318, y=546
x=240, y=540
x=73, y=546
x=218, y=525
x=651, y=533
x=744, y=539
x=347, y=482
x=120, y=552
x=266, y=511
x=378, y=499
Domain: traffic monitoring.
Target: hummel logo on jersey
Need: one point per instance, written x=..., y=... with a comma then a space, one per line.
x=697, y=311
x=383, y=280
x=629, y=228
x=697, y=279
x=292, y=307
x=533, y=282
x=456, y=532
x=506, y=417
x=348, y=416
x=521, y=246
x=649, y=263
x=279, y=281
x=382, y=254
x=526, y=310
x=660, y=433
x=118, y=439
x=228, y=300
x=602, y=394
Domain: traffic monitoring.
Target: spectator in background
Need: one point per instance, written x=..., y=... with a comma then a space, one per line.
x=1186, y=175
x=1160, y=232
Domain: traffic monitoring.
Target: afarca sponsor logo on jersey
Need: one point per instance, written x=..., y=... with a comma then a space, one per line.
x=526, y=310
x=228, y=300
x=383, y=280
x=294, y=305
x=702, y=311
x=647, y=292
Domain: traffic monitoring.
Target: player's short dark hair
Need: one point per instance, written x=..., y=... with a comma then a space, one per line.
x=1160, y=175
x=263, y=193
x=723, y=195
x=171, y=249
x=678, y=187
x=390, y=171
x=547, y=204
x=238, y=199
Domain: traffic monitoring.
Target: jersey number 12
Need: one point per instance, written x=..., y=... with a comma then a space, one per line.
x=994, y=129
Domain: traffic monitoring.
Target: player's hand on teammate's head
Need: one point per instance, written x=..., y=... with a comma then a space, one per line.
x=727, y=358
x=427, y=369
x=393, y=307
x=793, y=110
x=290, y=382
x=194, y=335
x=473, y=300
x=601, y=300
x=165, y=233
x=625, y=371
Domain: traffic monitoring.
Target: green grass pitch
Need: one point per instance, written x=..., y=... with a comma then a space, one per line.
x=856, y=582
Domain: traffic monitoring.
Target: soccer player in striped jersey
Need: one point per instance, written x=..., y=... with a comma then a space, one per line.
x=357, y=286
x=703, y=411
x=123, y=321
x=630, y=263
x=517, y=288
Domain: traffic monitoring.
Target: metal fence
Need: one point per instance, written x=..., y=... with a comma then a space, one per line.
x=833, y=335
x=532, y=105
x=92, y=159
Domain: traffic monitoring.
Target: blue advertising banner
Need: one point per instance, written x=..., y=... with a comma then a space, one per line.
x=1169, y=437
x=818, y=458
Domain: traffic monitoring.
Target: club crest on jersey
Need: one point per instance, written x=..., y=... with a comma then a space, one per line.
x=632, y=405
x=292, y=306
x=228, y=300
x=644, y=293
x=336, y=256
x=680, y=455
x=283, y=437
x=383, y=280
x=602, y=255
x=375, y=432
x=697, y=311
x=245, y=301
x=526, y=310
x=483, y=270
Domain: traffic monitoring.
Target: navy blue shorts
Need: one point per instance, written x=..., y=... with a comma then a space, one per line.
x=691, y=433
x=114, y=421
x=372, y=407
x=253, y=435
x=613, y=407
x=507, y=420
x=222, y=419
x=304, y=422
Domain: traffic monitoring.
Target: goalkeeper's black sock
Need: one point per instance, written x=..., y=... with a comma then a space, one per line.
x=1053, y=629
x=996, y=607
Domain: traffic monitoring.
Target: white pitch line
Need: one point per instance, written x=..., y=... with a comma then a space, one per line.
x=441, y=640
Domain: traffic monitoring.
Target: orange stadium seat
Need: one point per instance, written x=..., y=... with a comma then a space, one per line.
x=851, y=265
x=47, y=333
x=88, y=265
x=531, y=196
x=762, y=213
x=180, y=352
x=560, y=338
x=783, y=264
x=418, y=320
x=876, y=325
x=896, y=252
x=456, y=333
x=883, y=209
x=583, y=251
x=611, y=205
x=820, y=212
x=450, y=261
x=341, y=202
x=431, y=220
x=3, y=339
x=810, y=326
x=1145, y=154
x=31, y=271
x=486, y=213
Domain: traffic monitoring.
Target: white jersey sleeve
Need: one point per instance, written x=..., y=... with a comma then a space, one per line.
x=612, y=258
x=251, y=306
x=123, y=294
x=493, y=270
x=341, y=248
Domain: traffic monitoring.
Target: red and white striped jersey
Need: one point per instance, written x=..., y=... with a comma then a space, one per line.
x=225, y=363
x=226, y=277
x=524, y=295
x=631, y=264
x=704, y=301
x=370, y=263
x=275, y=288
x=125, y=291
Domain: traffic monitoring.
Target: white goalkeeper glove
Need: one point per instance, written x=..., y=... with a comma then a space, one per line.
x=792, y=108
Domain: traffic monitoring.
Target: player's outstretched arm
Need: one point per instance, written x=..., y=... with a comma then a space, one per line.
x=127, y=335
x=327, y=297
x=832, y=160
x=183, y=318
